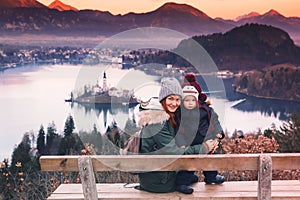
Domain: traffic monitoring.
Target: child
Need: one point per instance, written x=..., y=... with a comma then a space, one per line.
x=197, y=123
x=215, y=127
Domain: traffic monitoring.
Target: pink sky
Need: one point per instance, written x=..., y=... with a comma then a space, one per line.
x=227, y=9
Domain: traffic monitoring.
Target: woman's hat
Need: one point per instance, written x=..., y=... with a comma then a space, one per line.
x=169, y=86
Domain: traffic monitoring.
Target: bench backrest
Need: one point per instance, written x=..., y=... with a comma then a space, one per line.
x=172, y=162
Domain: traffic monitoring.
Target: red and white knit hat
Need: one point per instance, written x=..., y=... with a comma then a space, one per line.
x=189, y=90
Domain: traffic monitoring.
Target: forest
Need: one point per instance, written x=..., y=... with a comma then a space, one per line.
x=280, y=81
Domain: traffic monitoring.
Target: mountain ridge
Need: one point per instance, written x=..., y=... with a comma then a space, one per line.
x=57, y=4
x=179, y=17
x=37, y=19
x=21, y=3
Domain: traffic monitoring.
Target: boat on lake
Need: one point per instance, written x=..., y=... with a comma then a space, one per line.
x=71, y=99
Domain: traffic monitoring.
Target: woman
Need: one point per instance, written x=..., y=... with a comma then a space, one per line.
x=158, y=137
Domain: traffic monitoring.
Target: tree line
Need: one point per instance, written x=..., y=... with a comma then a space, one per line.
x=21, y=177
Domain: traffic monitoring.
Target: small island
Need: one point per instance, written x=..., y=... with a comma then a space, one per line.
x=105, y=95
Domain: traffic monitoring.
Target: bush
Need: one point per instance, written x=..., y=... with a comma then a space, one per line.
x=251, y=144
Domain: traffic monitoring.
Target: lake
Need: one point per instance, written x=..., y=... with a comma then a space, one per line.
x=32, y=96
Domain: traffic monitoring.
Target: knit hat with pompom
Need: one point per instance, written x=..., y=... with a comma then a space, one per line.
x=189, y=90
x=190, y=79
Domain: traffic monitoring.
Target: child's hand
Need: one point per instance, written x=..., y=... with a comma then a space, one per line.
x=219, y=136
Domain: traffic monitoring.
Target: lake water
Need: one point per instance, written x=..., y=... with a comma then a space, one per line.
x=32, y=96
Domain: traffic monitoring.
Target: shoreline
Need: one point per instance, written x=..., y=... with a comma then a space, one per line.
x=265, y=97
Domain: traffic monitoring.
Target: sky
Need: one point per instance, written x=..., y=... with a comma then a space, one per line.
x=226, y=9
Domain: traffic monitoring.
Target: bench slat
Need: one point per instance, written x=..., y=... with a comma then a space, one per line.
x=285, y=161
x=228, y=190
x=170, y=162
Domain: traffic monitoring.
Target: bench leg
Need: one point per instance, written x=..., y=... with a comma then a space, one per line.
x=87, y=176
x=264, y=177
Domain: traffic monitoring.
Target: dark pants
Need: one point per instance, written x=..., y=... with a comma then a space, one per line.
x=184, y=178
x=210, y=175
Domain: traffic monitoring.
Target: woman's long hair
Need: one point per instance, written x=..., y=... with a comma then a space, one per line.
x=172, y=115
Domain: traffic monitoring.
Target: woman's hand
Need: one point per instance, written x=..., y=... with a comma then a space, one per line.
x=210, y=146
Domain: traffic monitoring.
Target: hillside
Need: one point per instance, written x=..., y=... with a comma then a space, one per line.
x=276, y=82
x=247, y=47
x=250, y=46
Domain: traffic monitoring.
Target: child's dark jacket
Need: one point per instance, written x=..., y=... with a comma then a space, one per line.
x=197, y=125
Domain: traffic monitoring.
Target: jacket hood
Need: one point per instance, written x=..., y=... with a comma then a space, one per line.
x=147, y=117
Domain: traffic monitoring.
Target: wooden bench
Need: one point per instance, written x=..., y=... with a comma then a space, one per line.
x=263, y=189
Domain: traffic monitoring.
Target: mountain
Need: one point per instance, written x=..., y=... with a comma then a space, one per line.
x=30, y=17
x=268, y=18
x=251, y=46
x=179, y=17
x=274, y=18
x=46, y=21
x=21, y=3
x=58, y=5
x=252, y=14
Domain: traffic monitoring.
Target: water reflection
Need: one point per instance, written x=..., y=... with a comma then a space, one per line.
x=280, y=109
x=269, y=107
x=105, y=116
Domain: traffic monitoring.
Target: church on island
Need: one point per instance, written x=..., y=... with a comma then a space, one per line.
x=106, y=94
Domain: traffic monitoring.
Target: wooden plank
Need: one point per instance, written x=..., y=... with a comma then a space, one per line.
x=59, y=163
x=87, y=178
x=176, y=162
x=171, y=162
x=228, y=190
x=154, y=162
x=285, y=161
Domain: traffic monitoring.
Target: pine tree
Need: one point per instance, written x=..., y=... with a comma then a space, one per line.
x=41, y=140
x=71, y=143
x=96, y=139
x=21, y=154
x=288, y=137
x=51, y=135
x=69, y=126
